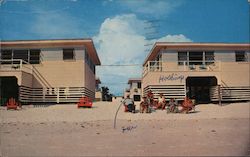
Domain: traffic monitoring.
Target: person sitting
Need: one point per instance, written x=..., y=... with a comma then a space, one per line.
x=187, y=105
x=150, y=100
x=172, y=106
x=161, y=102
x=144, y=105
x=129, y=104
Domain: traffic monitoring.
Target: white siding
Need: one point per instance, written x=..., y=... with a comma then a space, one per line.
x=55, y=54
x=171, y=56
x=224, y=56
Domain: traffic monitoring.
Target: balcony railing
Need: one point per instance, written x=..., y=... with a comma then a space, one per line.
x=15, y=65
x=158, y=66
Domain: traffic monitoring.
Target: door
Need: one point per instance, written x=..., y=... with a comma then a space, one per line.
x=199, y=88
x=8, y=88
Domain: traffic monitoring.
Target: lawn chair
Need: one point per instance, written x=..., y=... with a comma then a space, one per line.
x=12, y=104
x=187, y=106
x=85, y=102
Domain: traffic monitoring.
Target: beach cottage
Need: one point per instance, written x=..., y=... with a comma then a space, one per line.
x=58, y=71
x=203, y=71
x=134, y=89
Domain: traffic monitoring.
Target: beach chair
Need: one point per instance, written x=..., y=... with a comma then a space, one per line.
x=125, y=108
x=12, y=104
x=187, y=106
x=85, y=102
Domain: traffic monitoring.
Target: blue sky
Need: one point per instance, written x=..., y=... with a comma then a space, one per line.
x=121, y=28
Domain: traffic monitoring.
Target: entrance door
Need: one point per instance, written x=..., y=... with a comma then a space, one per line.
x=8, y=89
x=199, y=88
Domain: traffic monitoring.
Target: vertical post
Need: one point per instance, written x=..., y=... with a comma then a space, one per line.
x=219, y=94
x=57, y=99
x=203, y=58
x=21, y=64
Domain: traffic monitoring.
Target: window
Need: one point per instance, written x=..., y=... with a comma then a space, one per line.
x=68, y=54
x=89, y=62
x=195, y=58
x=20, y=54
x=240, y=56
x=6, y=55
x=139, y=85
x=14, y=56
x=182, y=57
x=209, y=57
x=35, y=56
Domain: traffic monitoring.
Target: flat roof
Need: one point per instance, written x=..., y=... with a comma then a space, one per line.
x=185, y=46
x=54, y=43
x=130, y=80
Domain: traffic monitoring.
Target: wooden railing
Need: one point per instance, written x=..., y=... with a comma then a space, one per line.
x=177, y=92
x=239, y=93
x=54, y=95
x=15, y=65
x=159, y=66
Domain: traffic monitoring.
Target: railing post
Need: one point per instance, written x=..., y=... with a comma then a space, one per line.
x=57, y=98
x=21, y=63
x=219, y=94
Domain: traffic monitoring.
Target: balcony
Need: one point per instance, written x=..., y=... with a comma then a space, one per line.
x=180, y=66
x=15, y=65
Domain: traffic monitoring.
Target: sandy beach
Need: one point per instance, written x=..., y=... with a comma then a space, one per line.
x=65, y=130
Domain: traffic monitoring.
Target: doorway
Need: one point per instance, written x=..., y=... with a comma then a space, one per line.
x=8, y=88
x=137, y=97
x=199, y=88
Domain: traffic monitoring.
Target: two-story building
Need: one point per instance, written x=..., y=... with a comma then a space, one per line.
x=203, y=71
x=48, y=70
x=134, y=90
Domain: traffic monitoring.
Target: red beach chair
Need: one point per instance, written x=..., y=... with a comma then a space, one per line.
x=12, y=104
x=85, y=102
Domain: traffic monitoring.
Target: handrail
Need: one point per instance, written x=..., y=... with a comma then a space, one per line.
x=191, y=65
x=21, y=65
x=14, y=64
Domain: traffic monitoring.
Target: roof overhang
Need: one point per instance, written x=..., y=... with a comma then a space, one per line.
x=195, y=47
x=131, y=80
x=87, y=43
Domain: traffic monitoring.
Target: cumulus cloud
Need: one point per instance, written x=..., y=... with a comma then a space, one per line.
x=174, y=38
x=121, y=41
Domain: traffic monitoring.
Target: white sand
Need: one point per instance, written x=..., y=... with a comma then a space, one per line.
x=65, y=130
x=107, y=110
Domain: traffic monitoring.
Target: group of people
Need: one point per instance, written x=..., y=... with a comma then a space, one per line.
x=148, y=104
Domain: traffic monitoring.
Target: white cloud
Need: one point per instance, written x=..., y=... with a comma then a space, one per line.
x=174, y=38
x=121, y=40
x=152, y=7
